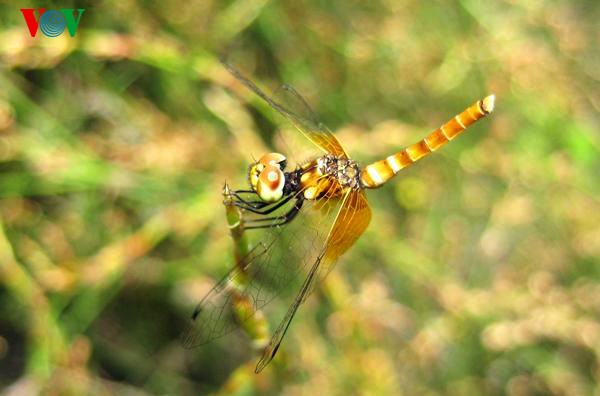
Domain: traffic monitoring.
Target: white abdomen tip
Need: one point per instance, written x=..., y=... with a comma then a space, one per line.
x=487, y=103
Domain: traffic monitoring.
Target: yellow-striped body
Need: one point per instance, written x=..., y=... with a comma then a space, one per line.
x=378, y=173
x=312, y=183
x=329, y=176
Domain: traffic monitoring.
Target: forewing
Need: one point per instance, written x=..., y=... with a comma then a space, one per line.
x=278, y=261
x=275, y=341
x=298, y=113
x=351, y=221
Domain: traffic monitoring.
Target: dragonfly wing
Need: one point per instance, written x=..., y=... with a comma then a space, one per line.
x=352, y=219
x=276, y=264
x=300, y=114
x=304, y=119
x=271, y=349
x=215, y=315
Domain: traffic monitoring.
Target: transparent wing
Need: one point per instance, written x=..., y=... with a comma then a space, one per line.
x=351, y=221
x=280, y=257
x=299, y=114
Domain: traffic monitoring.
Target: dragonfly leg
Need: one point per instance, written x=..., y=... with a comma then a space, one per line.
x=237, y=193
x=245, y=202
x=250, y=204
x=286, y=218
x=265, y=210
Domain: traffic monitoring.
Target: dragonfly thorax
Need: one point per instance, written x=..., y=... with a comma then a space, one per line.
x=329, y=176
x=344, y=170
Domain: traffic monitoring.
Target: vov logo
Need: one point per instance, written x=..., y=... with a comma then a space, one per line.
x=52, y=23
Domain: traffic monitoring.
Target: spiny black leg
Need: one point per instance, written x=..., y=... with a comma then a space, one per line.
x=255, y=205
x=289, y=216
x=250, y=204
x=263, y=219
x=283, y=218
x=261, y=211
x=249, y=208
x=268, y=210
x=237, y=195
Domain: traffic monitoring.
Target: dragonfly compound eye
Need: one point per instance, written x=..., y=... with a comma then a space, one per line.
x=270, y=184
x=276, y=159
x=253, y=174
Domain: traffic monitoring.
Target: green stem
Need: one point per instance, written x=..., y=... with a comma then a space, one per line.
x=256, y=327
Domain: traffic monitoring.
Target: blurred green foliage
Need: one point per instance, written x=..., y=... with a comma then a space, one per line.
x=478, y=275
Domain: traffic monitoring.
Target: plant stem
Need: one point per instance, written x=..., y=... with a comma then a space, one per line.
x=256, y=325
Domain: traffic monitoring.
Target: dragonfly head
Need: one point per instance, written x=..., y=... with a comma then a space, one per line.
x=266, y=176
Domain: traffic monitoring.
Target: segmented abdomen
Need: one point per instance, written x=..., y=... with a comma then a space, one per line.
x=377, y=173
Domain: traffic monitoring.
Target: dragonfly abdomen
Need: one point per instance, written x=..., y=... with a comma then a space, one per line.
x=378, y=173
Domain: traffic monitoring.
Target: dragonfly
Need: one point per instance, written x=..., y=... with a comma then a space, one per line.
x=310, y=215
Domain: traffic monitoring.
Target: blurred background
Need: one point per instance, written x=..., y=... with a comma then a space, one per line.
x=479, y=273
